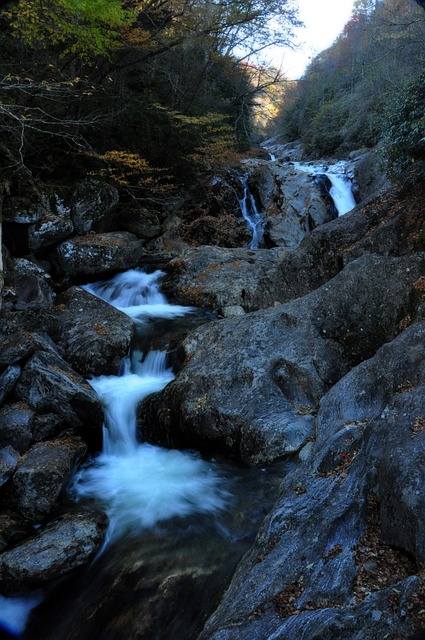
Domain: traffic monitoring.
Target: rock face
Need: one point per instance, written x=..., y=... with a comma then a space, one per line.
x=93, y=203
x=250, y=383
x=95, y=336
x=321, y=566
x=293, y=202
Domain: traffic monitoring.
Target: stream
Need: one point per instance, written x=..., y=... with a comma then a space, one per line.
x=178, y=523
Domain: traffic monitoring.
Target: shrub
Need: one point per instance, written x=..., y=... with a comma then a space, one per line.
x=403, y=144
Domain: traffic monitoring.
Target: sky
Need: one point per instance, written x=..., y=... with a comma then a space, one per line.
x=324, y=21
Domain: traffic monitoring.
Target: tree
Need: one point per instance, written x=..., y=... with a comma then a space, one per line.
x=85, y=28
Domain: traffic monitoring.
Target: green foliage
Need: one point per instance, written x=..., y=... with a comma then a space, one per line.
x=338, y=104
x=83, y=27
x=404, y=124
x=325, y=132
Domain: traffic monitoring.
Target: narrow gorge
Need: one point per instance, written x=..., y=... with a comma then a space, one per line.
x=211, y=425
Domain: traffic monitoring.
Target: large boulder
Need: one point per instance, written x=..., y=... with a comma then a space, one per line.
x=224, y=278
x=250, y=384
x=49, y=385
x=98, y=253
x=95, y=336
x=42, y=474
x=333, y=559
x=292, y=201
x=57, y=549
x=92, y=205
x=32, y=284
x=31, y=225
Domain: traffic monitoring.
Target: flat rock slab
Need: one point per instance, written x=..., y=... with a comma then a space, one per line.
x=98, y=253
x=63, y=545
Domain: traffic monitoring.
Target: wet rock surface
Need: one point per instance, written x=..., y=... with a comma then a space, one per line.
x=65, y=544
x=318, y=360
x=95, y=336
x=97, y=253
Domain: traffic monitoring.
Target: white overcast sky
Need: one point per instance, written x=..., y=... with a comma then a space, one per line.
x=324, y=21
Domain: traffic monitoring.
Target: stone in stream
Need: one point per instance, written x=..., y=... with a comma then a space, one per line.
x=94, y=335
x=63, y=545
x=250, y=385
x=292, y=201
x=49, y=385
x=42, y=474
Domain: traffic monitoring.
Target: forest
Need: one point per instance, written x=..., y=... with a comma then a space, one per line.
x=367, y=89
x=212, y=329
x=180, y=88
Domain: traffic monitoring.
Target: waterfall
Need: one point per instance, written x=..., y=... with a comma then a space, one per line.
x=252, y=216
x=140, y=485
x=340, y=190
x=136, y=294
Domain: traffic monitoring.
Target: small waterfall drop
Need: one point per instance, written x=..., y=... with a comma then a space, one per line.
x=140, y=485
x=252, y=216
x=340, y=191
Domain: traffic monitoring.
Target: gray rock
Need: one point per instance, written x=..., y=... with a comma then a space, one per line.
x=250, y=384
x=8, y=461
x=49, y=385
x=32, y=285
x=16, y=421
x=292, y=201
x=43, y=473
x=15, y=348
x=8, y=380
x=62, y=546
x=217, y=277
x=92, y=205
x=303, y=576
x=22, y=210
x=97, y=253
x=95, y=336
x=54, y=226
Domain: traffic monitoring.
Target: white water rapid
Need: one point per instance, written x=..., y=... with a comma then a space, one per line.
x=140, y=485
x=340, y=191
x=252, y=216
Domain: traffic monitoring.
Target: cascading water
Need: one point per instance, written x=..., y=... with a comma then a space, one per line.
x=340, y=190
x=140, y=484
x=252, y=216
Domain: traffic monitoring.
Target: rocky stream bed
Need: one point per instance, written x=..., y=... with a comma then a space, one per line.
x=300, y=379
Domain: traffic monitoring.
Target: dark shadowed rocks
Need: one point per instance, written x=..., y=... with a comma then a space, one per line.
x=43, y=473
x=63, y=545
x=98, y=253
x=92, y=205
x=94, y=336
x=49, y=385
